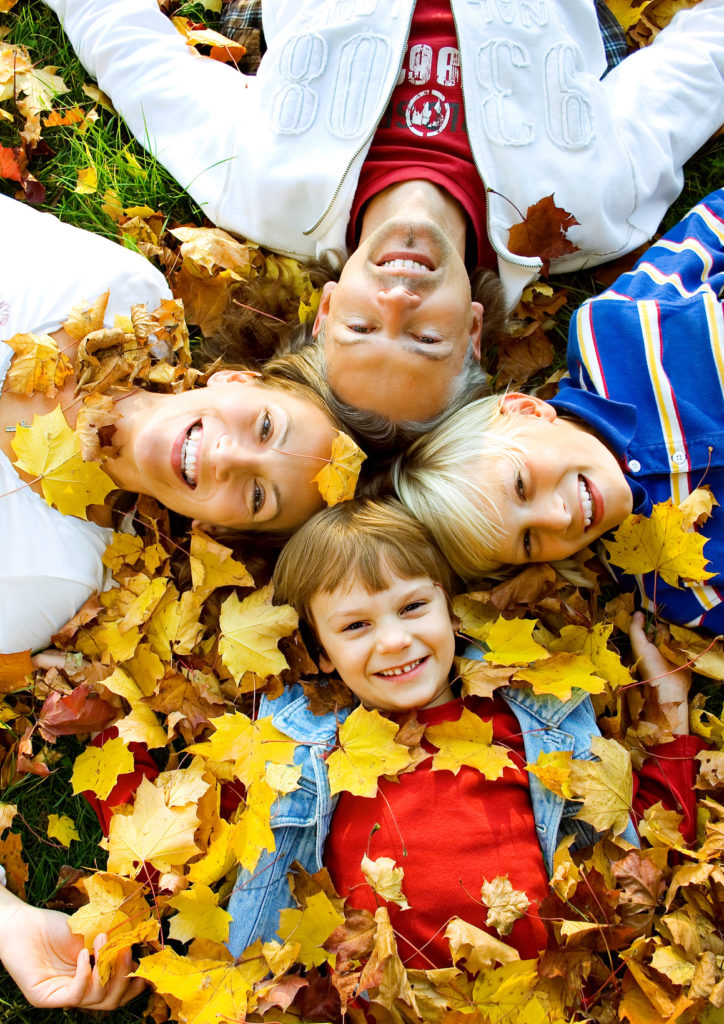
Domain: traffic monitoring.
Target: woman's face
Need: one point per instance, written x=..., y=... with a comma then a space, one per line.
x=236, y=454
x=566, y=490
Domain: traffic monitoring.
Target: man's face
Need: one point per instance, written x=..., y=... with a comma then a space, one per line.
x=399, y=322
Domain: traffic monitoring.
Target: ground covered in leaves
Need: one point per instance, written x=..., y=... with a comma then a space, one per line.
x=176, y=655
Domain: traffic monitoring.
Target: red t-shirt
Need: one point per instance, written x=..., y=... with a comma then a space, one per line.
x=449, y=833
x=422, y=133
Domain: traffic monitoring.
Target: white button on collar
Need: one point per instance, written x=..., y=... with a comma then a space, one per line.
x=634, y=465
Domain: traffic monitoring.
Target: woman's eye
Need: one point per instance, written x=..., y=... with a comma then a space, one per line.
x=257, y=498
x=519, y=486
x=527, y=543
x=265, y=427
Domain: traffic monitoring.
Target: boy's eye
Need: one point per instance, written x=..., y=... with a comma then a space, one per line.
x=519, y=486
x=265, y=427
x=414, y=606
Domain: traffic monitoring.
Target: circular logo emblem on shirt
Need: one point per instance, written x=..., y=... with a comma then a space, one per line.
x=427, y=113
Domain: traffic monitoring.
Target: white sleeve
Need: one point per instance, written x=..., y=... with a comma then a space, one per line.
x=668, y=100
x=185, y=109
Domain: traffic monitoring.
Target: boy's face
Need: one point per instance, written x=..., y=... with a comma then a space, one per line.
x=567, y=490
x=394, y=648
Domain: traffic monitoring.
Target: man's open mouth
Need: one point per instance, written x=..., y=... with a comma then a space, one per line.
x=190, y=453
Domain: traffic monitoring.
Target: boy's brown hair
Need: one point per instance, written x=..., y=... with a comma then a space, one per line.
x=362, y=538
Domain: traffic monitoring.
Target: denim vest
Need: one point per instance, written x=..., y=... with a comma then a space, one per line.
x=301, y=819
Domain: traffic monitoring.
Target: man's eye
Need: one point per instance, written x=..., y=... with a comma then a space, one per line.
x=527, y=543
x=265, y=427
x=427, y=339
x=257, y=498
x=360, y=328
x=519, y=486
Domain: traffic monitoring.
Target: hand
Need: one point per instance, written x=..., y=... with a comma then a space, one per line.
x=50, y=965
x=669, y=684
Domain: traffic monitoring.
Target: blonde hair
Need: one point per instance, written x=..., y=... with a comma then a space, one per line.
x=437, y=480
x=363, y=538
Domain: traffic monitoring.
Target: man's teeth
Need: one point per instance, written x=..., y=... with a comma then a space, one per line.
x=405, y=264
x=189, y=453
x=586, y=502
x=401, y=670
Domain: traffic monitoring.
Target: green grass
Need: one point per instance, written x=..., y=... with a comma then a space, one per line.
x=138, y=180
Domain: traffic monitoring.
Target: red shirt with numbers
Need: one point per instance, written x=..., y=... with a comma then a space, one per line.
x=422, y=133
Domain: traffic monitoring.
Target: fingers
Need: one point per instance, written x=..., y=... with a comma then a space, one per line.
x=119, y=989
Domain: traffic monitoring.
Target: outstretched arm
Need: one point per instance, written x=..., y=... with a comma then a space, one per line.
x=49, y=964
x=191, y=112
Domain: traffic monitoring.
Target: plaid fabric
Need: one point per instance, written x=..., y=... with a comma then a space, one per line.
x=614, y=38
x=241, y=21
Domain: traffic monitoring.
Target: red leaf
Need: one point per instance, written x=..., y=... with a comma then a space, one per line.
x=542, y=232
x=9, y=166
x=77, y=712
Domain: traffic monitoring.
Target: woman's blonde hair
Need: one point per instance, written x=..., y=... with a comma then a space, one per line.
x=362, y=538
x=438, y=480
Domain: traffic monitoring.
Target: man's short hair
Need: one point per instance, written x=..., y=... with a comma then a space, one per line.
x=364, y=539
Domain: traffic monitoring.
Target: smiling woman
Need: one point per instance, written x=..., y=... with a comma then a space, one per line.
x=240, y=454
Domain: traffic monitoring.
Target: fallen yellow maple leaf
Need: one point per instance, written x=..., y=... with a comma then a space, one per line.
x=154, y=833
x=553, y=768
x=311, y=927
x=249, y=631
x=213, y=565
x=605, y=786
x=38, y=366
x=199, y=916
x=50, y=451
x=96, y=769
x=510, y=642
x=62, y=828
x=505, y=904
x=660, y=544
x=367, y=749
x=385, y=878
x=477, y=948
x=338, y=478
x=467, y=742
x=253, y=832
x=250, y=744
x=560, y=674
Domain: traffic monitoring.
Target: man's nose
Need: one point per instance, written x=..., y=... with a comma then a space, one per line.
x=398, y=300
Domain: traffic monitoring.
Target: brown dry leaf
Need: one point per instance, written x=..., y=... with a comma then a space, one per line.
x=521, y=357
x=384, y=973
x=38, y=366
x=205, y=251
x=542, y=232
x=13, y=669
x=711, y=770
x=505, y=904
x=480, y=678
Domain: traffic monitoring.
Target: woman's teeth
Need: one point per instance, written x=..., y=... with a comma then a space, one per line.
x=189, y=453
x=586, y=502
x=401, y=670
x=405, y=264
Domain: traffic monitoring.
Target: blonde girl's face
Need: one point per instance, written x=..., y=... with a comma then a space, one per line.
x=563, y=491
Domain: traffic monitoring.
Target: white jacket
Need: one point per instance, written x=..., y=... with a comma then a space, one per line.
x=276, y=157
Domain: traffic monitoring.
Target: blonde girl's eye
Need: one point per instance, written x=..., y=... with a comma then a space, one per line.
x=519, y=485
x=266, y=426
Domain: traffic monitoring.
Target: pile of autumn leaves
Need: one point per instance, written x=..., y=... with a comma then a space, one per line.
x=175, y=657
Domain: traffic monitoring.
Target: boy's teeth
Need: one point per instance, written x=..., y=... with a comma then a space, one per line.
x=189, y=453
x=409, y=264
x=403, y=668
x=586, y=502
